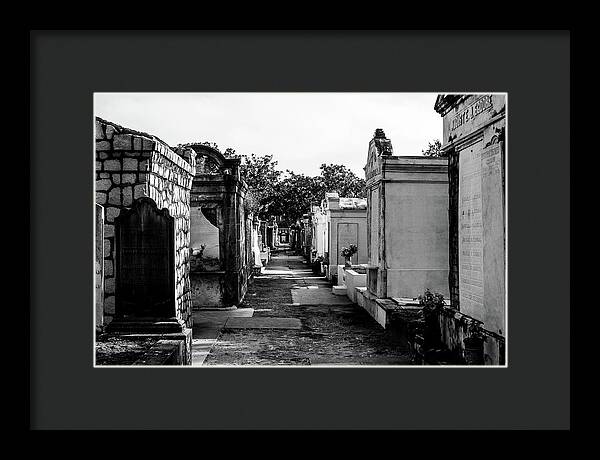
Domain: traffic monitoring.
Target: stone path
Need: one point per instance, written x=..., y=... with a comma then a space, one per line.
x=261, y=322
x=317, y=295
x=207, y=327
x=290, y=317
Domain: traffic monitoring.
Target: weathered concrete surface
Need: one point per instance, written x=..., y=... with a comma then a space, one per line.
x=331, y=334
x=416, y=236
x=353, y=280
x=342, y=361
x=163, y=353
x=360, y=296
x=313, y=295
x=144, y=349
x=200, y=350
x=114, y=350
x=207, y=326
x=339, y=290
x=262, y=322
x=207, y=289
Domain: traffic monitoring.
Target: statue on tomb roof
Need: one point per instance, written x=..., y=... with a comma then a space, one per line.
x=382, y=143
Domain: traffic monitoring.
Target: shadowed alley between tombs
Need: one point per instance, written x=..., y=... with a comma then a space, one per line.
x=290, y=317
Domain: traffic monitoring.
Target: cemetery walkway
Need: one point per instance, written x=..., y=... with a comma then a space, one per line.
x=290, y=317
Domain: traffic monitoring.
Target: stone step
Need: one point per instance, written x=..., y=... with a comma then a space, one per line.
x=338, y=290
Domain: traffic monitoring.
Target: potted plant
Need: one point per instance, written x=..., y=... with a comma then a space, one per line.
x=316, y=265
x=474, y=345
x=347, y=253
x=433, y=305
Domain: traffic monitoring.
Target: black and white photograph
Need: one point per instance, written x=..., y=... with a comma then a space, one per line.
x=305, y=229
x=300, y=229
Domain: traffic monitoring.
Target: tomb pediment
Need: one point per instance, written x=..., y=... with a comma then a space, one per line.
x=209, y=160
x=378, y=146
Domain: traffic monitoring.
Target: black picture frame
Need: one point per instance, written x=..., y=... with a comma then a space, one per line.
x=533, y=67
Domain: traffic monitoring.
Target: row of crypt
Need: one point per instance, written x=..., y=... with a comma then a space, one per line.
x=428, y=223
x=173, y=233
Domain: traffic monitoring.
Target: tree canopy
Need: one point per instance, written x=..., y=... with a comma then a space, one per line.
x=434, y=149
x=262, y=177
x=290, y=195
x=338, y=178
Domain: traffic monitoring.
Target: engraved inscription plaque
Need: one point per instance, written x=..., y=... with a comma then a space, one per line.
x=492, y=193
x=145, y=275
x=481, y=235
x=470, y=231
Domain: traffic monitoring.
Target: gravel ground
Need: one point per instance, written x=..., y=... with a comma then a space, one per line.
x=330, y=334
x=118, y=351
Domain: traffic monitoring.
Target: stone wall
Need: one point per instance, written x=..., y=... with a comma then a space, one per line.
x=131, y=165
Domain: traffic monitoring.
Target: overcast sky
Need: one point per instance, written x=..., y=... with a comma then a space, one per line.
x=300, y=130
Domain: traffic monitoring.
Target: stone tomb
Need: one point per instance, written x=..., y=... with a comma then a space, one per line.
x=129, y=165
x=283, y=236
x=407, y=234
x=474, y=140
x=474, y=130
x=307, y=236
x=319, y=233
x=407, y=222
x=219, y=244
x=271, y=232
x=346, y=220
x=138, y=176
